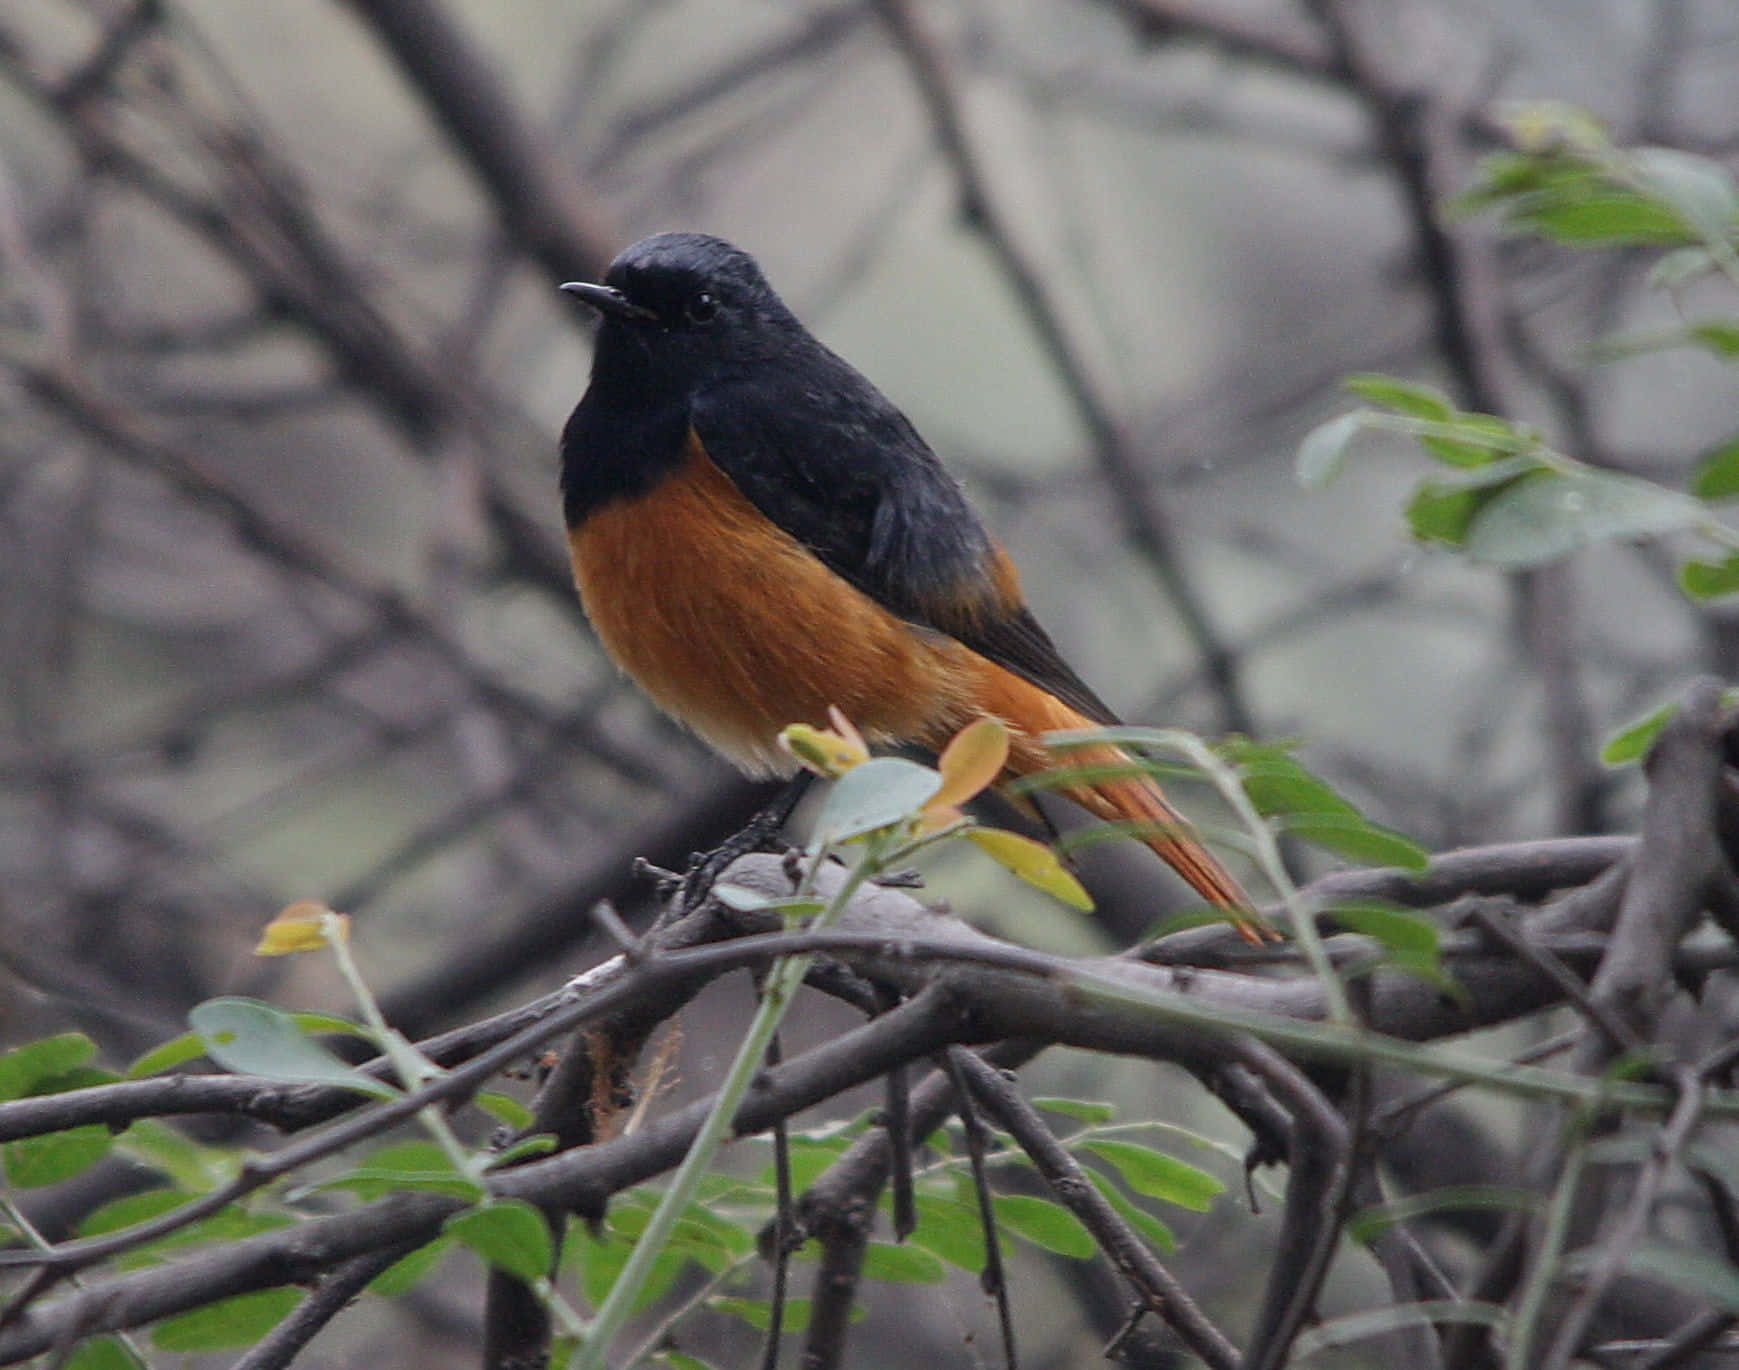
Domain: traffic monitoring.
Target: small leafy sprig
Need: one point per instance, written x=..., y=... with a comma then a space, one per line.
x=1503, y=496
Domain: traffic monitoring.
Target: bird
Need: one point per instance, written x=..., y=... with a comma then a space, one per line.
x=757, y=533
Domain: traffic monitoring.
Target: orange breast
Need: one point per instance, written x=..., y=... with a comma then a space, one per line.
x=736, y=629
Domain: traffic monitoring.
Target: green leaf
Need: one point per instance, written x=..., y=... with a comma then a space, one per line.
x=1045, y=1224
x=329, y=1024
x=539, y=1144
x=1358, y=839
x=176, y=1051
x=253, y=1038
x=509, y=1234
x=1717, y=336
x=1710, y=579
x=810, y=1156
x=1717, y=474
x=1700, y=1273
x=1282, y=789
x=902, y=1264
x=1548, y=515
x=418, y=1166
x=758, y=1312
x=1441, y=513
x=698, y=1232
x=228, y=1323
x=1699, y=191
x=1631, y=742
x=1084, y=1110
x=102, y=1353
x=1614, y=218
x=1474, y=440
x=1401, y=931
x=598, y=1263
x=681, y=1360
x=24, y=1069
x=1158, y=1235
x=1441, y=509
x=1160, y=1176
x=504, y=1108
x=731, y=1238
x=1324, y=449
x=1403, y=397
x=1278, y=784
x=32, y=1162
x=882, y=791
x=948, y=1228
x=130, y=1209
x=189, y=1164
x=410, y=1270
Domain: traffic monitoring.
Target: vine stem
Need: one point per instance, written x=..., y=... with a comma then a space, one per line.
x=413, y=1068
x=782, y=984
x=416, y=1070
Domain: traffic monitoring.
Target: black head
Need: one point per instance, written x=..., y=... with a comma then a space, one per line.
x=680, y=309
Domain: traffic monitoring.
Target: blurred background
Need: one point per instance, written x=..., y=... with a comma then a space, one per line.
x=284, y=608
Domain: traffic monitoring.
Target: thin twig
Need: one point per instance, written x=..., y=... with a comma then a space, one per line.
x=1156, y=1289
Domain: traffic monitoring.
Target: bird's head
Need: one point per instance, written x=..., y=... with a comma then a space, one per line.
x=680, y=309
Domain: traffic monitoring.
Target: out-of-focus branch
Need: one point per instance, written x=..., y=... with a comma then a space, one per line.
x=504, y=951
x=1678, y=855
x=1262, y=38
x=551, y=215
x=1120, y=462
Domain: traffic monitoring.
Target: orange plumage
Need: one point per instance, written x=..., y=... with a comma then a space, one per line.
x=735, y=628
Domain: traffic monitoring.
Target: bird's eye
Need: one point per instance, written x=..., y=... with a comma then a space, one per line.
x=701, y=308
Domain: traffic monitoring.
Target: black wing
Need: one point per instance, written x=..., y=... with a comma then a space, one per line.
x=825, y=456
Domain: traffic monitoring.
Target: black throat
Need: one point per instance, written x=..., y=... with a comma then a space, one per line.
x=622, y=439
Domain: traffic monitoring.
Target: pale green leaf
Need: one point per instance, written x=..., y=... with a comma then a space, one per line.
x=1548, y=515
x=1045, y=1224
x=882, y=791
x=1158, y=1175
x=1323, y=451
x=254, y=1038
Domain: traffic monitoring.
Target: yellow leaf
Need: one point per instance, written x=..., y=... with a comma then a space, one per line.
x=933, y=819
x=971, y=761
x=1034, y=863
x=306, y=925
x=829, y=754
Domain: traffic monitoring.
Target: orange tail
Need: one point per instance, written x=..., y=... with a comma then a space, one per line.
x=1171, y=836
x=1136, y=799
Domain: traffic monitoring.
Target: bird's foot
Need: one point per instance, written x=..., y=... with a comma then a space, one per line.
x=704, y=868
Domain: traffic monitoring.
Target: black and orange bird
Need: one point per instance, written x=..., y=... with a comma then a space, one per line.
x=758, y=533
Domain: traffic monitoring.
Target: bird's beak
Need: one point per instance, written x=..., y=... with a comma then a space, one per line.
x=608, y=301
